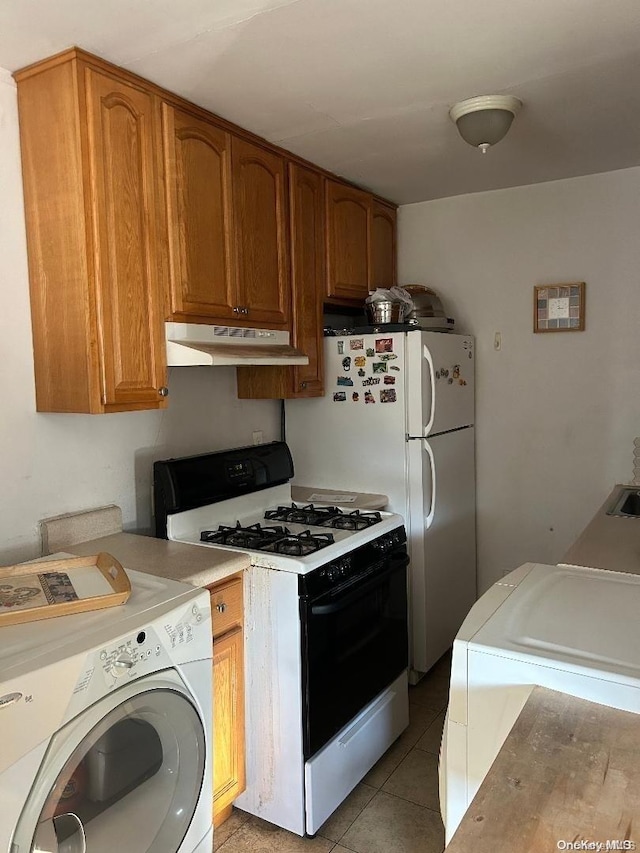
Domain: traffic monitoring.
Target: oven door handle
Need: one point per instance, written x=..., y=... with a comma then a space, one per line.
x=396, y=564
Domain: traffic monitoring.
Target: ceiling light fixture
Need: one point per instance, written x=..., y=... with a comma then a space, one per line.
x=485, y=120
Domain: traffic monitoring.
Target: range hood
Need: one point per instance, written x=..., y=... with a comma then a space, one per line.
x=199, y=344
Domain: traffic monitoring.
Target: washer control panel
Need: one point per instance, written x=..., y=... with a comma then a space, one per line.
x=129, y=656
x=150, y=648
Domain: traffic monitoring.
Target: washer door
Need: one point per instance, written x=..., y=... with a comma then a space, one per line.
x=127, y=771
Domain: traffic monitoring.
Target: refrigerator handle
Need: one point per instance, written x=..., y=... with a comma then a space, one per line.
x=432, y=463
x=432, y=383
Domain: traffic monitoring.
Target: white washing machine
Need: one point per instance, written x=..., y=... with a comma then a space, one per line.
x=106, y=727
x=569, y=629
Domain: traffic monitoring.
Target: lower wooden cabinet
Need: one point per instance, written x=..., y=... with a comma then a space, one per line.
x=228, y=697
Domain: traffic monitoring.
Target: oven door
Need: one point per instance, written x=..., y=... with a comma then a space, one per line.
x=354, y=644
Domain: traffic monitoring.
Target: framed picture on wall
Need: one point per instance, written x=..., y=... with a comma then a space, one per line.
x=559, y=307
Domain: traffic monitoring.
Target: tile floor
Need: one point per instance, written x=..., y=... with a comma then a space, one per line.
x=393, y=810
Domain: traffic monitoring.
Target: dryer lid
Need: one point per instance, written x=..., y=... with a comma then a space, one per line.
x=581, y=619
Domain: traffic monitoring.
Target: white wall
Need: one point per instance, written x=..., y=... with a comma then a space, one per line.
x=556, y=413
x=50, y=464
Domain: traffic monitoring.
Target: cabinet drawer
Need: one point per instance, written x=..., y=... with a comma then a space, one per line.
x=226, y=606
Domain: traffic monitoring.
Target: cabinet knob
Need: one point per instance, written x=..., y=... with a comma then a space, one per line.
x=303, y=385
x=237, y=309
x=163, y=391
x=221, y=607
x=244, y=310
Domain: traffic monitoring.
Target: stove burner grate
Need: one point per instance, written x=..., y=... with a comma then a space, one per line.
x=300, y=544
x=323, y=516
x=277, y=539
x=253, y=536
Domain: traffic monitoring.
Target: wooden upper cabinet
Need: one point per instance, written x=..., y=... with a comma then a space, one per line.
x=348, y=241
x=383, y=245
x=141, y=207
x=197, y=166
x=261, y=234
x=306, y=206
x=121, y=156
x=308, y=275
x=91, y=201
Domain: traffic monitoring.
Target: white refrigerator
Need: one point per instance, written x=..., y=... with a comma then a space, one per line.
x=397, y=418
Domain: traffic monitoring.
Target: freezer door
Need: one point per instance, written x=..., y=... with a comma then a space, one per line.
x=440, y=382
x=353, y=438
x=442, y=541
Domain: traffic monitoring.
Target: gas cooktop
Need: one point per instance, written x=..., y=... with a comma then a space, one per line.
x=241, y=500
x=278, y=539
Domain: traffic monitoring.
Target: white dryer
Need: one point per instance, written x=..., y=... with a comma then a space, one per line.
x=106, y=727
x=570, y=629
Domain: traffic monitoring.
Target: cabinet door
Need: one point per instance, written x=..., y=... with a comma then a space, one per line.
x=260, y=211
x=228, y=721
x=306, y=206
x=383, y=245
x=197, y=162
x=348, y=240
x=307, y=273
x=127, y=296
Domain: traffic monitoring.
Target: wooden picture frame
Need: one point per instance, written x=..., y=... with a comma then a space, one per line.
x=559, y=307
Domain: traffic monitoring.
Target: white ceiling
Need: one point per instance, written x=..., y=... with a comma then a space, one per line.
x=363, y=87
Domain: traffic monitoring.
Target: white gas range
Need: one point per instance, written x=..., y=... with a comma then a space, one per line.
x=326, y=640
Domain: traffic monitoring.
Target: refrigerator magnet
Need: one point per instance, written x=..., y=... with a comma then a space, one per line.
x=368, y=397
x=456, y=371
x=388, y=395
x=340, y=347
x=384, y=344
x=346, y=362
x=389, y=380
x=344, y=380
x=379, y=366
x=339, y=397
x=370, y=352
x=371, y=381
x=387, y=356
x=355, y=396
x=359, y=361
x=394, y=367
x=361, y=372
x=356, y=343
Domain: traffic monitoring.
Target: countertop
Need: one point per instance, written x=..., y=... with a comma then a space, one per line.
x=607, y=542
x=568, y=770
x=198, y=566
x=356, y=500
